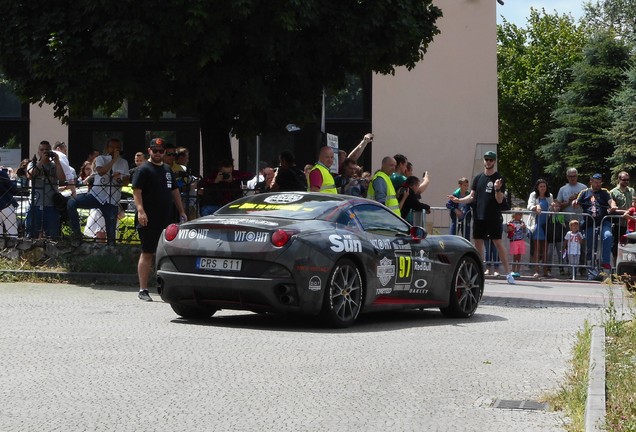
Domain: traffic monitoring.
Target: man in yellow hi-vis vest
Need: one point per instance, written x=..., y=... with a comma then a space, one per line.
x=381, y=188
x=320, y=179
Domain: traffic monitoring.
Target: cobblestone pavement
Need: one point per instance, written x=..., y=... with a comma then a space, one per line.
x=97, y=359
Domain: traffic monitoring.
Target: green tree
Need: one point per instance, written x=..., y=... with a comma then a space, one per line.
x=622, y=132
x=534, y=67
x=243, y=65
x=617, y=16
x=580, y=140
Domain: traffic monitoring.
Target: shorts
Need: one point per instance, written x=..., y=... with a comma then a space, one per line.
x=487, y=229
x=517, y=247
x=149, y=237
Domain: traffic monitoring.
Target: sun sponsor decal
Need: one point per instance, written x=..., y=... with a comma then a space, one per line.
x=344, y=243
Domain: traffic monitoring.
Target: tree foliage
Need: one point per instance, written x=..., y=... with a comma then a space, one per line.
x=616, y=16
x=243, y=65
x=622, y=132
x=534, y=68
x=582, y=117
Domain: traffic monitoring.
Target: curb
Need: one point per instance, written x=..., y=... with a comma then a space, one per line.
x=595, y=404
x=88, y=278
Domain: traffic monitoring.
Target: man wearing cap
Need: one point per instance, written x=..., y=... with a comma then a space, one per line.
x=320, y=179
x=622, y=194
x=597, y=203
x=381, y=188
x=488, y=193
x=155, y=192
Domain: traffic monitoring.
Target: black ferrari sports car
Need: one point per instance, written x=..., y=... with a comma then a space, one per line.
x=311, y=253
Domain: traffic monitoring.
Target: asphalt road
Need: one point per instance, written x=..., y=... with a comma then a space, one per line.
x=95, y=358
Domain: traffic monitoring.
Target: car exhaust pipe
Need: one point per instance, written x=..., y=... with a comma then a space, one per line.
x=159, y=285
x=286, y=299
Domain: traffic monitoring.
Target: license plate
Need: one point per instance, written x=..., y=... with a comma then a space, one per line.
x=221, y=264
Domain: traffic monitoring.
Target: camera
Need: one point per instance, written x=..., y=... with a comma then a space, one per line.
x=225, y=176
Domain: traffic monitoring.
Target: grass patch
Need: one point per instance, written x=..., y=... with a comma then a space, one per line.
x=620, y=364
x=620, y=368
x=572, y=395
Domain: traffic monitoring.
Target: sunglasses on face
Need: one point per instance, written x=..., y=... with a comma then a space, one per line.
x=157, y=151
x=170, y=154
x=624, y=179
x=489, y=160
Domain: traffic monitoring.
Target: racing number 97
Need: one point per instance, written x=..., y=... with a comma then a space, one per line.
x=405, y=267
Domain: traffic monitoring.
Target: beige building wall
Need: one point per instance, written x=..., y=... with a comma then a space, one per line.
x=45, y=127
x=438, y=113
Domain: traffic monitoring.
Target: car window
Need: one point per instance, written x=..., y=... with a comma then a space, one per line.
x=380, y=220
x=347, y=219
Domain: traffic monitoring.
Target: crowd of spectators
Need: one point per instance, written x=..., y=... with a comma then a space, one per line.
x=474, y=208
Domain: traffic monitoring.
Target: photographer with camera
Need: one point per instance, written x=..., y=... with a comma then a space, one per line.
x=220, y=188
x=44, y=171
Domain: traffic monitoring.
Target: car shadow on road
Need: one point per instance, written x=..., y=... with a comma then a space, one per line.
x=366, y=323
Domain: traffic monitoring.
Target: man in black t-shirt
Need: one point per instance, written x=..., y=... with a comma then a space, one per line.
x=288, y=177
x=155, y=192
x=488, y=193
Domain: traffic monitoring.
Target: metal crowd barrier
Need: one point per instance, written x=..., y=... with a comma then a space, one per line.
x=18, y=220
x=439, y=222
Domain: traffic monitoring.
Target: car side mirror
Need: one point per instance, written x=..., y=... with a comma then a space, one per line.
x=418, y=234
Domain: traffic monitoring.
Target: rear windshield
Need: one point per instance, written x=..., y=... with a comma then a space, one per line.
x=284, y=205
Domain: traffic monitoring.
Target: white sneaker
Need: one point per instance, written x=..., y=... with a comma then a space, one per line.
x=495, y=274
x=510, y=279
x=487, y=272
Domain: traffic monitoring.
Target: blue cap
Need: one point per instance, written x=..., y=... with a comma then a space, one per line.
x=597, y=176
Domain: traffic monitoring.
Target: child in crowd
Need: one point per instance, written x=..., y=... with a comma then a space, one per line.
x=630, y=215
x=517, y=233
x=572, y=245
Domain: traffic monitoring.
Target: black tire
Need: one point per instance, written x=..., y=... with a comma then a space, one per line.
x=467, y=286
x=191, y=312
x=343, y=296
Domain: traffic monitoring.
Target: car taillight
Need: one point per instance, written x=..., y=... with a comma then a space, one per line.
x=171, y=232
x=281, y=237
